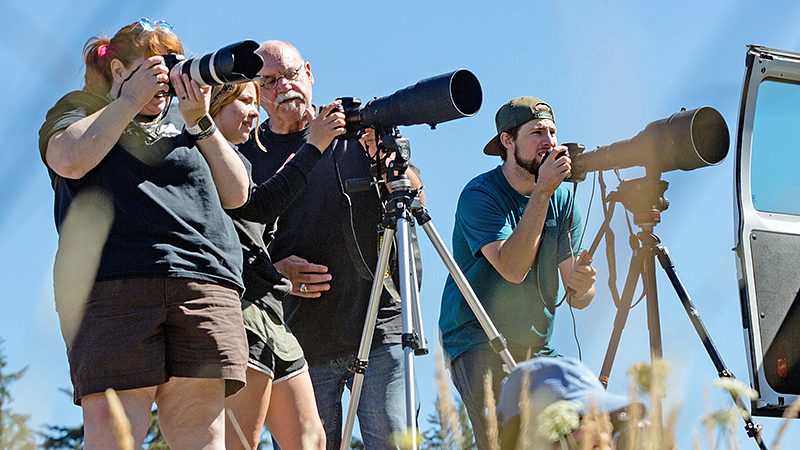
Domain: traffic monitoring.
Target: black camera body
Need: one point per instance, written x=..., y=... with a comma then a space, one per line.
x=349, y=107
x=572, y=148
x=236, y=63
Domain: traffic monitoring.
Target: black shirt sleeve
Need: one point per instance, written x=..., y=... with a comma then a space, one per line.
x=270, y=198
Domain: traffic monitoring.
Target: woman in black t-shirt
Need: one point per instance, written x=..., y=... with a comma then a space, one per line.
x=148, y=272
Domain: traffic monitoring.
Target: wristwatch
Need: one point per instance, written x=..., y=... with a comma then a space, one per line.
x=203, y=126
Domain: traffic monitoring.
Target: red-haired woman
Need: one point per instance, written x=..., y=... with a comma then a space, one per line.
x=156, y=313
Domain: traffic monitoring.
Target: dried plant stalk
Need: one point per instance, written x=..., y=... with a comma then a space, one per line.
x=790, y=413
x=448, y=416
x=491, y=416
x=119, y=421
x=237, y=428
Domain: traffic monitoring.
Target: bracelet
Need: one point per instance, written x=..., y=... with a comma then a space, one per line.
x=193, y=138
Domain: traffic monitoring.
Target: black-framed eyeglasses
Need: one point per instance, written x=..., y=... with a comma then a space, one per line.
x=149, y=25
x=269, y=82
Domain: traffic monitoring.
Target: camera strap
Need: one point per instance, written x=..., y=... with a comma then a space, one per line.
x=348, y=227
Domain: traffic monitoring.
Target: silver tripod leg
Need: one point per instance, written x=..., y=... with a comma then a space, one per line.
x=417, y=310
x=360, y=365
x=410, y=310
x=409, y=307
x=497, y=341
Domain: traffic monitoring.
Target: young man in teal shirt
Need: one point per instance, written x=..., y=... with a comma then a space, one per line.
x=516, y=230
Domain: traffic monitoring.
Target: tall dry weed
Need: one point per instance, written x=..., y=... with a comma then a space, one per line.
x=119, y=421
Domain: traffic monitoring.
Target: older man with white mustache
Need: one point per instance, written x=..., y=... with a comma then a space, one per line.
x=326, y=243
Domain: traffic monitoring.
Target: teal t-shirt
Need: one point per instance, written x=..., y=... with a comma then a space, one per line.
x=488, y=210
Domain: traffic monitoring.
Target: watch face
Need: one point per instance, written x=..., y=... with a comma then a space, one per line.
x=204, y=123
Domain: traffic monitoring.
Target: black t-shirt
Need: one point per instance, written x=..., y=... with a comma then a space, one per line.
x=168, y=219
x=264, y=284
x=322, y=228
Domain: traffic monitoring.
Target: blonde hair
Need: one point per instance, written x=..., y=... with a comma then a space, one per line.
x=224, y=94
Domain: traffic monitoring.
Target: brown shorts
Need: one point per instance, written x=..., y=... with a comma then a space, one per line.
x=139, y=332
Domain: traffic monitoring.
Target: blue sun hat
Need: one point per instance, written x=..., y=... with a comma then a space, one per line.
x=553, y=379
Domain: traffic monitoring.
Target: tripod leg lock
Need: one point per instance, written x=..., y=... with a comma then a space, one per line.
x=498, y=344
x=411, y=340
x=357, y=366
x=752, y=429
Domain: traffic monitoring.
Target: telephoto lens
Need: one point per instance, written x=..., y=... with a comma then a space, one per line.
x=236, y=63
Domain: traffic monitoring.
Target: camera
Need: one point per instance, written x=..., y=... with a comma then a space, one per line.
x=431, y=101
x=235, y=63
x=570, y=147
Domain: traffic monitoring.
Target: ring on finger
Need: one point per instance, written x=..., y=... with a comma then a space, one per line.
x=303, y=288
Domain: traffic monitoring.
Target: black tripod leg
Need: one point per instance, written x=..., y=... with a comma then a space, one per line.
x=653, y=318
x=750, y=427
x=623, y=309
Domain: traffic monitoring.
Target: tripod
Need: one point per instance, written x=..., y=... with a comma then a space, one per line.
x=402, y=208
x=645, y=199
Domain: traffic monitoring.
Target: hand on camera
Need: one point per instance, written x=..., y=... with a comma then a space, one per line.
x=193, y=100
x=554, y=169
x=325, y=127
x=308, y=280
x=146, y=81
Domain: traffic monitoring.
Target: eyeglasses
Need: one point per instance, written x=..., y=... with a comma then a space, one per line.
x=269, y=82
x=148, y=25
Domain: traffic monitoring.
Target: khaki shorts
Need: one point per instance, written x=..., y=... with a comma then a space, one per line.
x=139, y=332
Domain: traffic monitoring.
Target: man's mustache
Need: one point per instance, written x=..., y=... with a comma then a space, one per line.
x=290, y=95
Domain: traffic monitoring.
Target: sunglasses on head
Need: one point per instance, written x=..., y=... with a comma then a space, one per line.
x=149, y=25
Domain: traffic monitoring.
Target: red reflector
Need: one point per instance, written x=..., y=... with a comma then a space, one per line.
x=782, y=368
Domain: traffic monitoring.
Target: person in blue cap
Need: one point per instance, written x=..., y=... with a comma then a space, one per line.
x=516, y=234
x=560, y=379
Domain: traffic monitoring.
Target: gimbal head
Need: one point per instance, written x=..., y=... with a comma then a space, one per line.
x=644, y=197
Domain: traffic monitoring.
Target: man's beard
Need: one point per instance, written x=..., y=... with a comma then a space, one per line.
x=531, y=166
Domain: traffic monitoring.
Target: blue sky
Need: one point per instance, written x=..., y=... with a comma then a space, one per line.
x=608, y=68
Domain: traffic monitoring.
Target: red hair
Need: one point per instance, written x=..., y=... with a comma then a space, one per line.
x=130, y=43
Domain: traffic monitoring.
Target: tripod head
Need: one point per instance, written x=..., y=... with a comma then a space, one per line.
x=644, y=197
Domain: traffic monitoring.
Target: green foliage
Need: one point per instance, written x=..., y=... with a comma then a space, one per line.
x=14, y=431
x=436, y=439
x=63, y=437
x=72, y=438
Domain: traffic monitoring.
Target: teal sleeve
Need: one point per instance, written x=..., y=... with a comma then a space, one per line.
x=482, y=219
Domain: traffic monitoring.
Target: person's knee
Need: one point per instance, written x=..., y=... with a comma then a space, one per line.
x=314, y=435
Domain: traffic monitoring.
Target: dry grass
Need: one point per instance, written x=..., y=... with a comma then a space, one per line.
x=119, y=421
x=647, y=384
x=448, y=415
x=491, y=417
x=80, y=244
x=789, y=414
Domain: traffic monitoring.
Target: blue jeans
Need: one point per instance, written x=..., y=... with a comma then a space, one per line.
x=467, y=372
x=381, y=409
